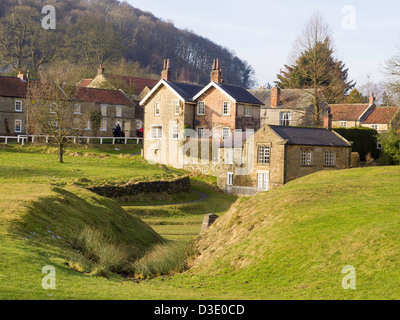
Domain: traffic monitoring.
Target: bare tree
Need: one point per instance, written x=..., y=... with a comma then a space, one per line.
x=51, y=111
x=314, y=70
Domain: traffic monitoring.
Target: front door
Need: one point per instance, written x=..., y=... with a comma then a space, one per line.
x=263, y=181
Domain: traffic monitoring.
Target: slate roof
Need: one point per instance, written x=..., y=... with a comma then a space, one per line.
x=309, y=136
x=100, y=96
x=381, y=115
x=240, y=94
x=347, y=112
x=186, y=90
x=289, y=98
x=13, y=87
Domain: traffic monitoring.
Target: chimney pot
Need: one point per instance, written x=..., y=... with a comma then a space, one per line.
x=328, y=119
x=166, y=73
x=216, y=72
x=101, y=70
x=372, y=99
x=21, y=76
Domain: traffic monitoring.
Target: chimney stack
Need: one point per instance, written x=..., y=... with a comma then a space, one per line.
x=216, y=73
x=328, y=119
x=166, y=73
x=100, y=71
x=372, y=99
x=275, y=97
x=21, y=76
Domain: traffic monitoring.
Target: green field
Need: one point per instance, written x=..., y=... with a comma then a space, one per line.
x=288, y=243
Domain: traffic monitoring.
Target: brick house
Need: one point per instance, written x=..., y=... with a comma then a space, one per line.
x=114, y=106
x=13, y=91
x=222, y=109
x=212, y=111
x=275, y=155
x=285, y=107
x=363, y=115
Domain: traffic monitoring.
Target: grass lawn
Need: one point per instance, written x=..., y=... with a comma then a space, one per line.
x=287, y=243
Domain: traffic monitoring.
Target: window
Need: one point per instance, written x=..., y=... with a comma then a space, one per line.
x=263, y=154
x=226, y=108
x=374, y=126
x=156, y=132
x=18, y=126
x=103, y=126
x=330, y=159
x=285, y=118
x=175, y=132
x=118, y=111
x=18, y=106
x=379, y=146
x=248, y=111
x=200, y=132
x=306, y=157
x=53, y=107
x=343, y=124
x=201, y=108
x=177, y=108
x=226, y=132
x=103, y=110
x=157, y=109
x=88, y=125
x=77, y=109
x=230, y=156
x=229, y=179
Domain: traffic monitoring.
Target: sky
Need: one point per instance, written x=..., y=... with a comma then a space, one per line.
x=365, y=33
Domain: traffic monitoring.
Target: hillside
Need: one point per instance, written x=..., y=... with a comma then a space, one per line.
x=293, y=242
x=93, y=32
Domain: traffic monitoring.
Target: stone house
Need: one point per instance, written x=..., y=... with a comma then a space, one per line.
x=285, y=107
x=113, y=105
x=382, y=118
x=134, y=87
x=275, y=155
x=13, y=91
x=175, y=111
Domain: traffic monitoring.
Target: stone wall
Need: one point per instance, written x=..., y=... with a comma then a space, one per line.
x=174, y=186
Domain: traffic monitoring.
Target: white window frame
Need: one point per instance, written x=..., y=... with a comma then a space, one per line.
x=200, y=132
x=53, y=106
x=374, y=126
x=118, y=111
x=329, y=158
x=103, y=110
x=229, y=132
x=157, y=109
x=177, y=107
x=20, y=126
x=248, y=111
x=343, y=124
x=306, y=158
x=284, y=118
x=175, y=132
x=88, y=126
x=156, y=135
x=227, y=105
x=201, y=105
x=77, y=109
x=264, y=154
x=229, y=179
x=103, y=128
x=15, y=105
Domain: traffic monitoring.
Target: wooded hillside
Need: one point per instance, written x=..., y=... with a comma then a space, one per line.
x=90, y=32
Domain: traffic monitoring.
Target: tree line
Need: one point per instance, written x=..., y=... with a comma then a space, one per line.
x=93, y=32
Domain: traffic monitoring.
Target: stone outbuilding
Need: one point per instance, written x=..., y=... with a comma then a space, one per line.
x=275, y=155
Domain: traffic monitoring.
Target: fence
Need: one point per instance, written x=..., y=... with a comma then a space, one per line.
x=24, y=138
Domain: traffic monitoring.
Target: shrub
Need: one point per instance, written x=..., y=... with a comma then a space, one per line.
x=390, y=142
x=364, y=141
